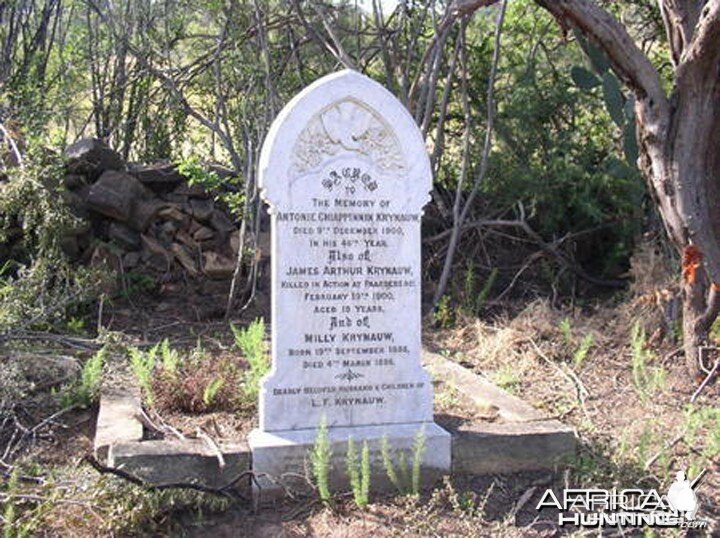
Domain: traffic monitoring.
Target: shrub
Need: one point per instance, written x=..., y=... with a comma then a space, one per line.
x=251, y=341
x=39, y=288
x=196, y=383
x=86, y=390
x=359, y=473
x=320, y=458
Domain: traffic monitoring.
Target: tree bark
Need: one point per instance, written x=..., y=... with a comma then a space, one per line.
x=679, y=139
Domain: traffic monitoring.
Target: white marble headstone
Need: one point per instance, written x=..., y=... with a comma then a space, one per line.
x=345, y=172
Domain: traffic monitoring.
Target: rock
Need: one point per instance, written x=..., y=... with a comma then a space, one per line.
x=173, y=212
x=142, y=214
x=185, y=258
x=74, y=181
x=91, y=157
x=215, y=287
x=191, y=191
x=124, y=236
x=202, y=209
x=131, y=260
x=186, y=240
x=156, y=254
x=194, y=227
x=75, y=203
x=174, y=198
x=203, y=234
x=71, y=248
x=220, y=221
x=115, y=194
x=217, y=266
x=160, y=177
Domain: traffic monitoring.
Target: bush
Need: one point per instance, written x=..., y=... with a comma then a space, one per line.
x=251, y=341
x=196, y=383
x=39, y=288
x=86, y=390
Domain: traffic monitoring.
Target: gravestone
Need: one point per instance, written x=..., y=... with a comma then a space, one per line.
x=345, y=172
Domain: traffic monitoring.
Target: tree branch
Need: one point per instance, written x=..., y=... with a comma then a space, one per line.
x=628, y=61
x=707, y=35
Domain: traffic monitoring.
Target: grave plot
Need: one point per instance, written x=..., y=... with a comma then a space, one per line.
x=345, y=174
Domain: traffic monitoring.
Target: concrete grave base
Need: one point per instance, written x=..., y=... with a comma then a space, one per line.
x=281, y=460
x=523, y=440
x=188, y=461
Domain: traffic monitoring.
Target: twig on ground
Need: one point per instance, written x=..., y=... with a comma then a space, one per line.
x=522, y=501
x=668, y=446
x=163, y=427
x=224, y=491
x=568, y=374
x=212, y=445
x=705, y=381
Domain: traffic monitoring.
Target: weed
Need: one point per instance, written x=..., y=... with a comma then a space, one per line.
x=447, y=398
x=566, y=331
x=705, y=421
x=485, y=291
x=443, y=313
x=320, y=457
x=142, y=364
x=646, y=378
x=583, y=349
x=473, y=301
x=75, y=325
x=193, y=384
x=507, y=378
x=137, y=283
x=170, y=358
x=359, y=473
x=211, y=391
x=251, y=341
x=10, y=514
x=407, y=483
x=85, y=391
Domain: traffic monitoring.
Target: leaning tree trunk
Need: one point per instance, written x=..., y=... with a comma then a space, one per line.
x=681, y=163
x=679, y=135
x=679, y=138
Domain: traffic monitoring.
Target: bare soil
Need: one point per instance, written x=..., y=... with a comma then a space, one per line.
x=635, y=431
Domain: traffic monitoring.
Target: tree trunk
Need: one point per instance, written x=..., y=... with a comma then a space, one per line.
x=679, y=139
x=681, y=165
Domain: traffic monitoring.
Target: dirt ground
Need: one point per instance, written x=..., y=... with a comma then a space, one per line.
x=627, y=395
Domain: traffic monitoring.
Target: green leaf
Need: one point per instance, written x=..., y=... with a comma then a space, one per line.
x=619, y=169
x=614, y=99
x=583, y=78
x=630, y=146
x=629, y=109
x=597, y=57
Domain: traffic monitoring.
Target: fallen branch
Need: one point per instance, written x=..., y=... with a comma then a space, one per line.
x=705, y=381
x=668, y=446
x=224, y=491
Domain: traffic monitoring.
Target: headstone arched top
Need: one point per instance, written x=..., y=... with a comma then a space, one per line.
x=343, y=117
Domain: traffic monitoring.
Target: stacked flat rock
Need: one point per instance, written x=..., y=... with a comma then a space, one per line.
x=146, y=217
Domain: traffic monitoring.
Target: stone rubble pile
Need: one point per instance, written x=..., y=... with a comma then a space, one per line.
x=146, y=217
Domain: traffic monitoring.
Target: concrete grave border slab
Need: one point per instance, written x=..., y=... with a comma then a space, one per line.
x=525, y=440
